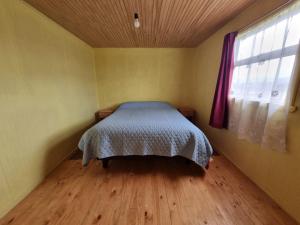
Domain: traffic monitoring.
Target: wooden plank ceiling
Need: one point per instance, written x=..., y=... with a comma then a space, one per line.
x=164, y=23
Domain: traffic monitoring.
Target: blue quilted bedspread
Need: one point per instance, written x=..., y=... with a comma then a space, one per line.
x=145, y=128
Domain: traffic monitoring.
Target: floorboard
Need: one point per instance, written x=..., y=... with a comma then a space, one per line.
x=140, y=191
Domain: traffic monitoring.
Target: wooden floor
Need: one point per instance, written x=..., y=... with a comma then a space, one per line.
x=147, y=191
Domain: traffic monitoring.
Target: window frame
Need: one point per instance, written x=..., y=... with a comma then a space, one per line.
x=292, y=50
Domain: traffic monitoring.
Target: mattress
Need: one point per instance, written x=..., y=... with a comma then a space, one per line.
x=145, y=128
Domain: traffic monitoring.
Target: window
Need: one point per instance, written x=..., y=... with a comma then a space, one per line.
x=260, y=92
x=265, y=58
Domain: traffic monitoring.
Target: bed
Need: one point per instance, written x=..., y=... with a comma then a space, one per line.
x=145, y=128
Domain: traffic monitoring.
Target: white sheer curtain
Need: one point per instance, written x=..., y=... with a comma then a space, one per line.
x=260, y=92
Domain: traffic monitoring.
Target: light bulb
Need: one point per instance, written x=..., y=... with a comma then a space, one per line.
x=136, y=23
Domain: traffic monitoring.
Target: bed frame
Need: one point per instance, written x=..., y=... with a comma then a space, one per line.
x=106, y=160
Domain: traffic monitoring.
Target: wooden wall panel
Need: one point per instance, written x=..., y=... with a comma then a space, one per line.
x=164, y=23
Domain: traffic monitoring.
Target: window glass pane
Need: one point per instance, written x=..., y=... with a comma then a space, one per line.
x=270, y=79
x=286, y=67
x=251, y=91
x=239, y=81
x=245, y=48
x=272, y=69
x=253, y=73
x=279, y=35
x=262, y=74
x=268, y=38
x=258, y=42
x=282, y=83
x=294, y=31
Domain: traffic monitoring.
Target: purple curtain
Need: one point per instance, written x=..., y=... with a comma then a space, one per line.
x=219, y=112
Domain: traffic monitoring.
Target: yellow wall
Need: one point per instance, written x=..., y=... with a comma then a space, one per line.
x=47, y=96
x=278, y=174
x=133, y=74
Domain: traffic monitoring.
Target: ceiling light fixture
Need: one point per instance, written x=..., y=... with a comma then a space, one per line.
x=136, y=21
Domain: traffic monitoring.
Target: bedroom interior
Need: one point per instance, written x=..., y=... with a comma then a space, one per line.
x=58, y=68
